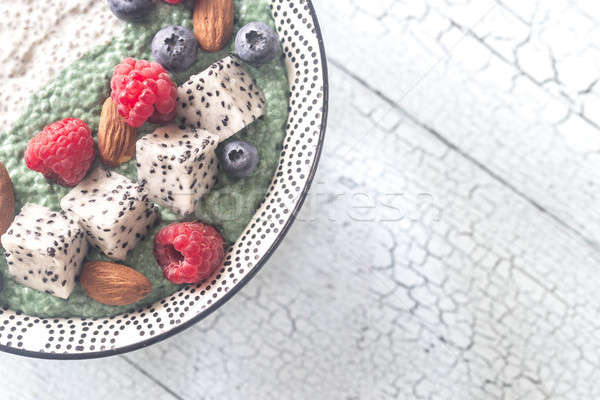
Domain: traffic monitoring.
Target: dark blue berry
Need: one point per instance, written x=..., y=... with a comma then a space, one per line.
x=131, y=10
x=256, y=43
x=175, y=48
x=238, y=159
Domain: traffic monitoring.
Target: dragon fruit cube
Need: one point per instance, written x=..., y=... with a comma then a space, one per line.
x=45, y=249
x=115, y=212
x=223, y=99
x=177, y=166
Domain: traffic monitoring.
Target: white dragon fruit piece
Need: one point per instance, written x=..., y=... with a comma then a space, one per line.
x=177, y=166
x=115, y=212
x=223, y=99
x=45, y=250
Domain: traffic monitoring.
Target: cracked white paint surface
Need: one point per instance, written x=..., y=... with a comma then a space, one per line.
x=449, y=248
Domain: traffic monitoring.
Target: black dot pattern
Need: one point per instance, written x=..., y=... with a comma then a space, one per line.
x=296, y=26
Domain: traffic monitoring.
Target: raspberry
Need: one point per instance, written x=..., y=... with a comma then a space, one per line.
x=142, y=89
x=173, y=1
x=63, y=151
x=188, y=252
x=163, y=118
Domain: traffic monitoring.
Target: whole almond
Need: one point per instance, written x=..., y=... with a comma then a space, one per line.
x=114, y=284
x=213, y=23
x=7, y=200
x=116, y=139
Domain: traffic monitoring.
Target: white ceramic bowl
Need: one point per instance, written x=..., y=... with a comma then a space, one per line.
x=75, y=338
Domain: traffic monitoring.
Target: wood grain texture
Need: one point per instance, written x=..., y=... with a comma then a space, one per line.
x=448, y=249
x=462, y=290
x=503, y=81
x=115, y=378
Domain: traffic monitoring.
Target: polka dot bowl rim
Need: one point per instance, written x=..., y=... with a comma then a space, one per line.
x=83, y=338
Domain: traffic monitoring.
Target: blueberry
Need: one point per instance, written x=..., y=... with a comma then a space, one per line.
x=175, y=48
x=256, y=43
x=131, y=10
x=238, y=158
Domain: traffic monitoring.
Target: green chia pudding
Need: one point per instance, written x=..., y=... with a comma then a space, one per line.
x=79, y=92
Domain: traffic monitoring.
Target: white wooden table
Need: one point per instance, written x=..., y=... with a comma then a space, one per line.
x=450, y=246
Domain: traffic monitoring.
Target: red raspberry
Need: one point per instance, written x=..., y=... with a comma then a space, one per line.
x=173, y=1
x=142, y=89
x=163, y=118
x=63, y=151
x=188, y=252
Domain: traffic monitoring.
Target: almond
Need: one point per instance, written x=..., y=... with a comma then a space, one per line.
x=7, y=200
x=213, y=23
x=116, y=139
x=114, y=284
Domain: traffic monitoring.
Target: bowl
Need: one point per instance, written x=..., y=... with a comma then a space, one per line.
x=80, y=338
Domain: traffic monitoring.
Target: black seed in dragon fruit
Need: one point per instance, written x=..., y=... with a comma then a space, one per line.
x=115, y=212
x=223, y=99
x=177, y=166
x=45, y=249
